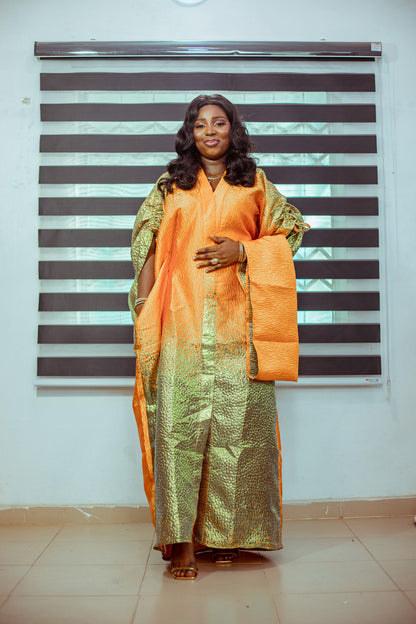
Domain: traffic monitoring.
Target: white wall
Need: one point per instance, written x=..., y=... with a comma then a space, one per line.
x=82, y=447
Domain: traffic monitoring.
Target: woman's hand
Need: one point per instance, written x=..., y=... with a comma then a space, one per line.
x=146, y=278
x=226, y=251
x=139, y=308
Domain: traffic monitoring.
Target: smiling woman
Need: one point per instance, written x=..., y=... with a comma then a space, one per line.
x=211, y=119
x=212, y=135
x=212, y=250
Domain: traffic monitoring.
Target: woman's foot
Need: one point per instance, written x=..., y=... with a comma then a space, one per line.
x=224, y=555
x=183, y=563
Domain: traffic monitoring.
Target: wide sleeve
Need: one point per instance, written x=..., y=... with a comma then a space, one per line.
x=146, y=226
x=271, y=289
x=278, y=216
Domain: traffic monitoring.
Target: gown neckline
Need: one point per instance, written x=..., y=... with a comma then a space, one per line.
x=204, y=175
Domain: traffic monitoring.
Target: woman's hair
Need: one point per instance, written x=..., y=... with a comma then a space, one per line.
x=183, y=171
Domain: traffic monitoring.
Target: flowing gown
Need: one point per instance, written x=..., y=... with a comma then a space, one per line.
x=209, y=346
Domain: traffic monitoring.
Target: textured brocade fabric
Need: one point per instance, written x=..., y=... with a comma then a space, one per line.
x=282, y=215
x=209, y=433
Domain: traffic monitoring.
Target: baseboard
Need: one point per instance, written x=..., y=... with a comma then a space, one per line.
x=84, y=514
x=354, y=508
x=294, y=510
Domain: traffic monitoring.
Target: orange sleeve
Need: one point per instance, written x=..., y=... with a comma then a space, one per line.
x=271, y=289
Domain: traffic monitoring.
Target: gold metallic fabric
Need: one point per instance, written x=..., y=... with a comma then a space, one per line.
x=204, y=398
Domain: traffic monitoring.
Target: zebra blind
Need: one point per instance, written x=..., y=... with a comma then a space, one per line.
x=108, y=130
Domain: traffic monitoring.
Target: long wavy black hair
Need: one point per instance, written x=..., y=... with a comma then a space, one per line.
x=183, y=170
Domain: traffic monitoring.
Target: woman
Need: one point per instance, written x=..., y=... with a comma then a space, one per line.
x=214, y=303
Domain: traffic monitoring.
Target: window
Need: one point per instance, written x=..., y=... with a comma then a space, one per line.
x=108, y=128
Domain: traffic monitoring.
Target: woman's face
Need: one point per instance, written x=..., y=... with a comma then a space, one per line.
x=212, y=132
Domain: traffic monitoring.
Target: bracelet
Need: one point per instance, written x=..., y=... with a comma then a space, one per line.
x=140, y=301
x=242, y=254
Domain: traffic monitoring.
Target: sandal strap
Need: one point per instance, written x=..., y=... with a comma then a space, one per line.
x=221, y=552
x=187, y=569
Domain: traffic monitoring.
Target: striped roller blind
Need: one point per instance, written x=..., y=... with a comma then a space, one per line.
x=108, y=130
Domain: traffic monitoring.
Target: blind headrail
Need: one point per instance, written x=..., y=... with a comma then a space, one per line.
x=208, y=49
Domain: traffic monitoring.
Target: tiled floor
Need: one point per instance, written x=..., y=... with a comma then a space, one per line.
x=358, y=571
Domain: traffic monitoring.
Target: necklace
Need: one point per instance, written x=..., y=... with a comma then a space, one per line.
x=211, y=179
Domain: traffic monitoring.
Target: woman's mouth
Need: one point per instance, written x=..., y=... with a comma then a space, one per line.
x=211, y=143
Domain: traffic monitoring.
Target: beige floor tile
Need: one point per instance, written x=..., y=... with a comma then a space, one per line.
x=139, y=531
x=211, y=580
x=81, y=580
x=155, y=558
x=411, y=596
x=379, y=527
x=16, y=553
x=352, y=608
x=346, y=576
x=206, y=609
x=315, y=528
x=319, y=549
x=10, y=575
x=68, y=610
x=402, y=572
x=400, y=546
x=95, y=552
x=28, y=533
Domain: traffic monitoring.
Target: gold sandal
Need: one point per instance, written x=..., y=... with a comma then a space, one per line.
x=172, y=571
x=221, y=552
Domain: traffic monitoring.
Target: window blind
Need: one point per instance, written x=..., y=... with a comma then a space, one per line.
x=108, y=130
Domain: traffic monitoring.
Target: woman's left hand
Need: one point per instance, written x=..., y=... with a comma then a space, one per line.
x=226, y=251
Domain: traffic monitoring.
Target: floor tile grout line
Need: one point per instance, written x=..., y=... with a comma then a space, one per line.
x=408, y=599
x=410, y=528
x=402, y=591
x=141, y=582
x=330, y=593
x=136, y=607
x=344, y=521
x=272, y=595
x=29, y=567
x=286, y=593
x=68, y=565
x=147, y=564
x=70, y=541
x=38, y=595
x=87, y=565
x=378, y=562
